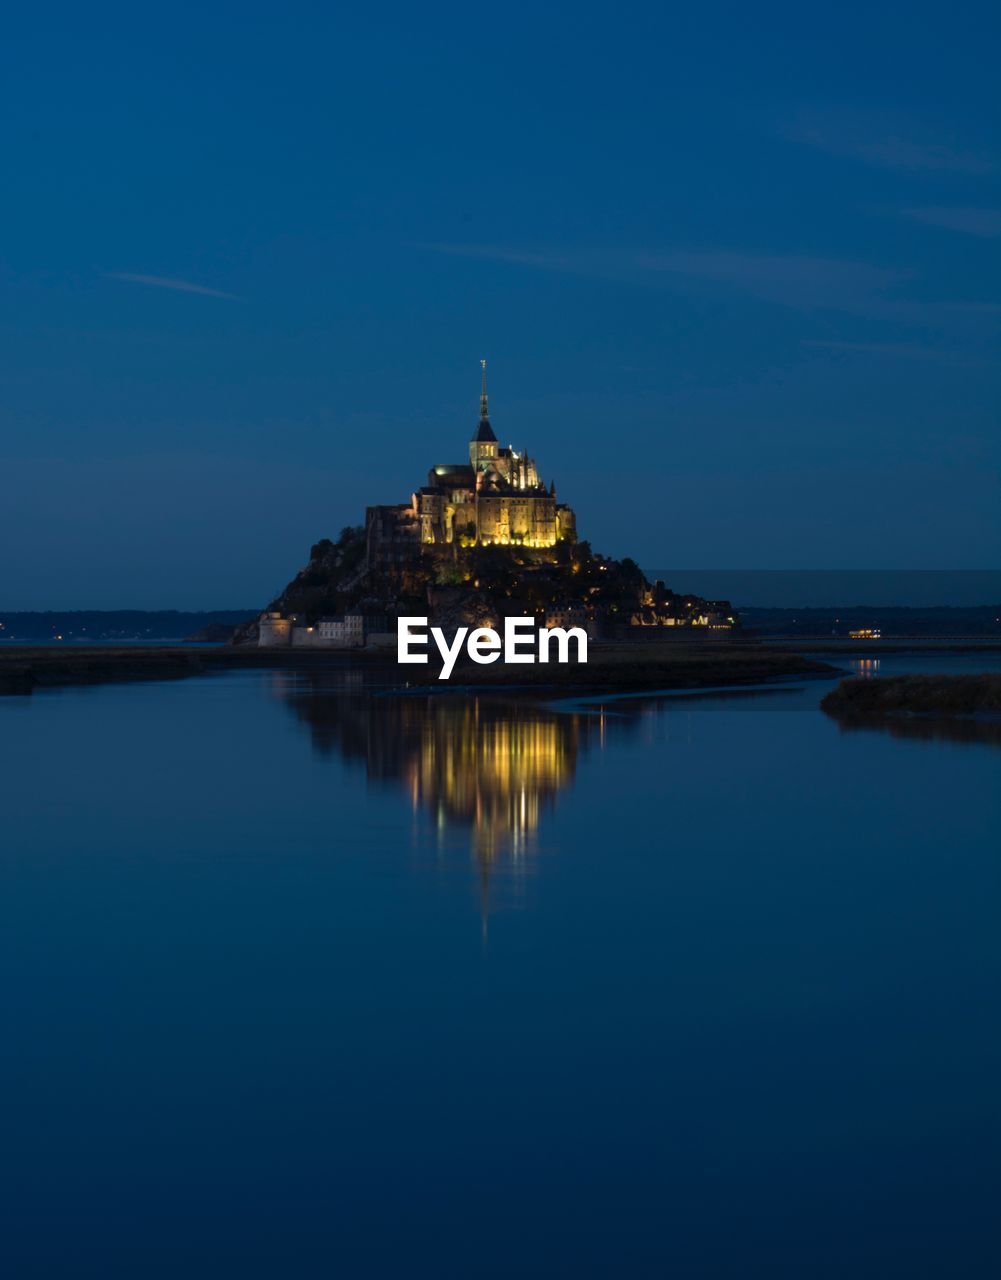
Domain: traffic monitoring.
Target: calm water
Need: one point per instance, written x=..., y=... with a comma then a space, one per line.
x=305, y=980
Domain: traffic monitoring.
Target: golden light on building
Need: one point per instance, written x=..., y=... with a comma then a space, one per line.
x=498, y=498
x=481, y=765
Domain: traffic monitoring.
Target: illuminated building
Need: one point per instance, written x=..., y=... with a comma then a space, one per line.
x=496, y=498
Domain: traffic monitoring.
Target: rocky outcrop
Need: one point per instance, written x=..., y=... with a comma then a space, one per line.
x=474, y=586
x=326, y=585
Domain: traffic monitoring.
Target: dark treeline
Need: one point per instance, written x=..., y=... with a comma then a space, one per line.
x=174, y=624
x=117, y=624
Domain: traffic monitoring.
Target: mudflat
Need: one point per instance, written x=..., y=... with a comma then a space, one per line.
x=613, y=666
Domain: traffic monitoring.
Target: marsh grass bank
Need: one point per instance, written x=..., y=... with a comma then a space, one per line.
x=940, y=695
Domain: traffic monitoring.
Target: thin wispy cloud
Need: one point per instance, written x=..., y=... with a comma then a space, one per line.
x=168, y=282
x=792, y=280
x=885, y=144
x=971, y=222
x=896, y=351
x=798, y=281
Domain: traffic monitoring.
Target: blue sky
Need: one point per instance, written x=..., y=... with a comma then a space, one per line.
x=735, y=269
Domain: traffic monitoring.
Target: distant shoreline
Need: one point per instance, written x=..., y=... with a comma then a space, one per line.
x=836, y=646
x=630, y=666
x=635, y=665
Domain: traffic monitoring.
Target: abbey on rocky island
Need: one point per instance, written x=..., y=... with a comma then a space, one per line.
x=482, y=539
x=496, y=498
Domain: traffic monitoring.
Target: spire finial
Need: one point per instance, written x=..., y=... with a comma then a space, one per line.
x=484, y=412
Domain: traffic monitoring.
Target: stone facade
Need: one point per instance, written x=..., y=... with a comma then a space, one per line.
x=392, y=535
x=274, y=631
x=350, y=631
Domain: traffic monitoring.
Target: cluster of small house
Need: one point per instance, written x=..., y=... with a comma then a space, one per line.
x=349, y=631
x=364, y=630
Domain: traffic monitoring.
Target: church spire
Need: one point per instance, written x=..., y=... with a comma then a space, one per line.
x=484, y=412
x=484, y=433
x=483, y=446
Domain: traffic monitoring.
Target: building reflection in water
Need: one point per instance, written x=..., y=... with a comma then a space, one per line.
x=489, y=765
x=865, y=668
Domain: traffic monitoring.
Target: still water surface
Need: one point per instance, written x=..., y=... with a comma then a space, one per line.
x=304, y=979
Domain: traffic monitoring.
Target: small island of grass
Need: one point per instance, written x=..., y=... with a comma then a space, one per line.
x=963, y=695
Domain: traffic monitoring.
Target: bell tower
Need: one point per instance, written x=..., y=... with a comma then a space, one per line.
x=483, y=446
